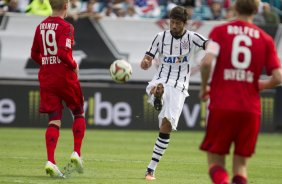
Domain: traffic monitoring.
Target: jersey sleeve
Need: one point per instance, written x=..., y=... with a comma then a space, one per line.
x=199, y=40
x=272, y=60
x=35, y=49
x=216, y=35
x=65, y=44
x=153, y=50
x=214, y=44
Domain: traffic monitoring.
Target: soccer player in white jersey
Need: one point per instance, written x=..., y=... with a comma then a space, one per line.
x=169, y=87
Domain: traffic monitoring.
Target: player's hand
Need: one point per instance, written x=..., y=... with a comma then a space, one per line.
x=204, y=93
x=76, y=70
x=145, y=64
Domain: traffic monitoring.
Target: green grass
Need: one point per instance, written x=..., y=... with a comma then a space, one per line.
x=120, y=157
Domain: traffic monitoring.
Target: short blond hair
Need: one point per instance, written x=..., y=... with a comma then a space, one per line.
x=247, y=7
x=58, y=4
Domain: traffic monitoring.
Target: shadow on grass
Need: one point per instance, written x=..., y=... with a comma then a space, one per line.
x=46, y=177
x=27, y=177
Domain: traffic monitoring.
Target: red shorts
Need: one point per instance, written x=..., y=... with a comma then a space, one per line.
x=226, y=127
x=51, y=98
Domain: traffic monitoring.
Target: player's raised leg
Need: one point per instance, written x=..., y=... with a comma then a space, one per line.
x=157, y=92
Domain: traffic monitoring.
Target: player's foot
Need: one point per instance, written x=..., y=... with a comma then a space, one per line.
x=158, y=102
x=52, y=170
x=77, y=161
x=150, y=175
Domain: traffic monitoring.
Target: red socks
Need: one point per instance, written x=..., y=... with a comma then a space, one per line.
x=239, y=180
x=53, y=132
x=51, y=138
x=78, y=129
x=219, y=175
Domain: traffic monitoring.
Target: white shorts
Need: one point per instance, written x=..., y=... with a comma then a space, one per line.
x=173, y=101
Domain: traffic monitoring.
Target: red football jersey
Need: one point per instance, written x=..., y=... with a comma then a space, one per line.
x=52, y=50
x=244, y=51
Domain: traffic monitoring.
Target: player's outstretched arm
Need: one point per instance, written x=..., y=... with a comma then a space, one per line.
x=146, y=62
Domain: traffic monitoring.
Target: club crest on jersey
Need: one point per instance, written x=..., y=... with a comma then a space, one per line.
x=179, y=59
x=185, y=44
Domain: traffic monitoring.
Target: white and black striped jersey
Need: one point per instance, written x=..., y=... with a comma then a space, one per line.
x=174, y=56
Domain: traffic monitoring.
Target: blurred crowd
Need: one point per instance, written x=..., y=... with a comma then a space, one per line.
x=269, y=11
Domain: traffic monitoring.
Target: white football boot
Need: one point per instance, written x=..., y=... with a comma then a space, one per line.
x=53, y=170
x=77, y=161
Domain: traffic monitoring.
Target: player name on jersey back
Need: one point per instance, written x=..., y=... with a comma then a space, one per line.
x=238, y=75
x=235, y=29
x=52, y=26
x=50, y=60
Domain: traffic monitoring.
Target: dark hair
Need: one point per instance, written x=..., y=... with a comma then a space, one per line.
x=179, y=13
x=246, y=7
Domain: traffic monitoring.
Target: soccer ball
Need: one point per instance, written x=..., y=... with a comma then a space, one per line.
x=120, y=71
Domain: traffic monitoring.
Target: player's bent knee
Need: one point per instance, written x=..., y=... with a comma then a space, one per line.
x=55, y=122
x=56, y=115
x=78, y=113
x=165, y=126
x=78, y=116
x=55, y=118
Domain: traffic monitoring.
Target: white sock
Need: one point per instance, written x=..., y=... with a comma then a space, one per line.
x=159, y=150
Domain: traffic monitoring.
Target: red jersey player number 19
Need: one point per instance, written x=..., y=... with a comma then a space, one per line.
x=52, y=50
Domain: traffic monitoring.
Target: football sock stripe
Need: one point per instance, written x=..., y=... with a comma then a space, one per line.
x=160, y=140
x=159, y=150
x=157, y=153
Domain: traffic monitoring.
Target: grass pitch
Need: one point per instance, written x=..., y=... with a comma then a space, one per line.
x=120, y=157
